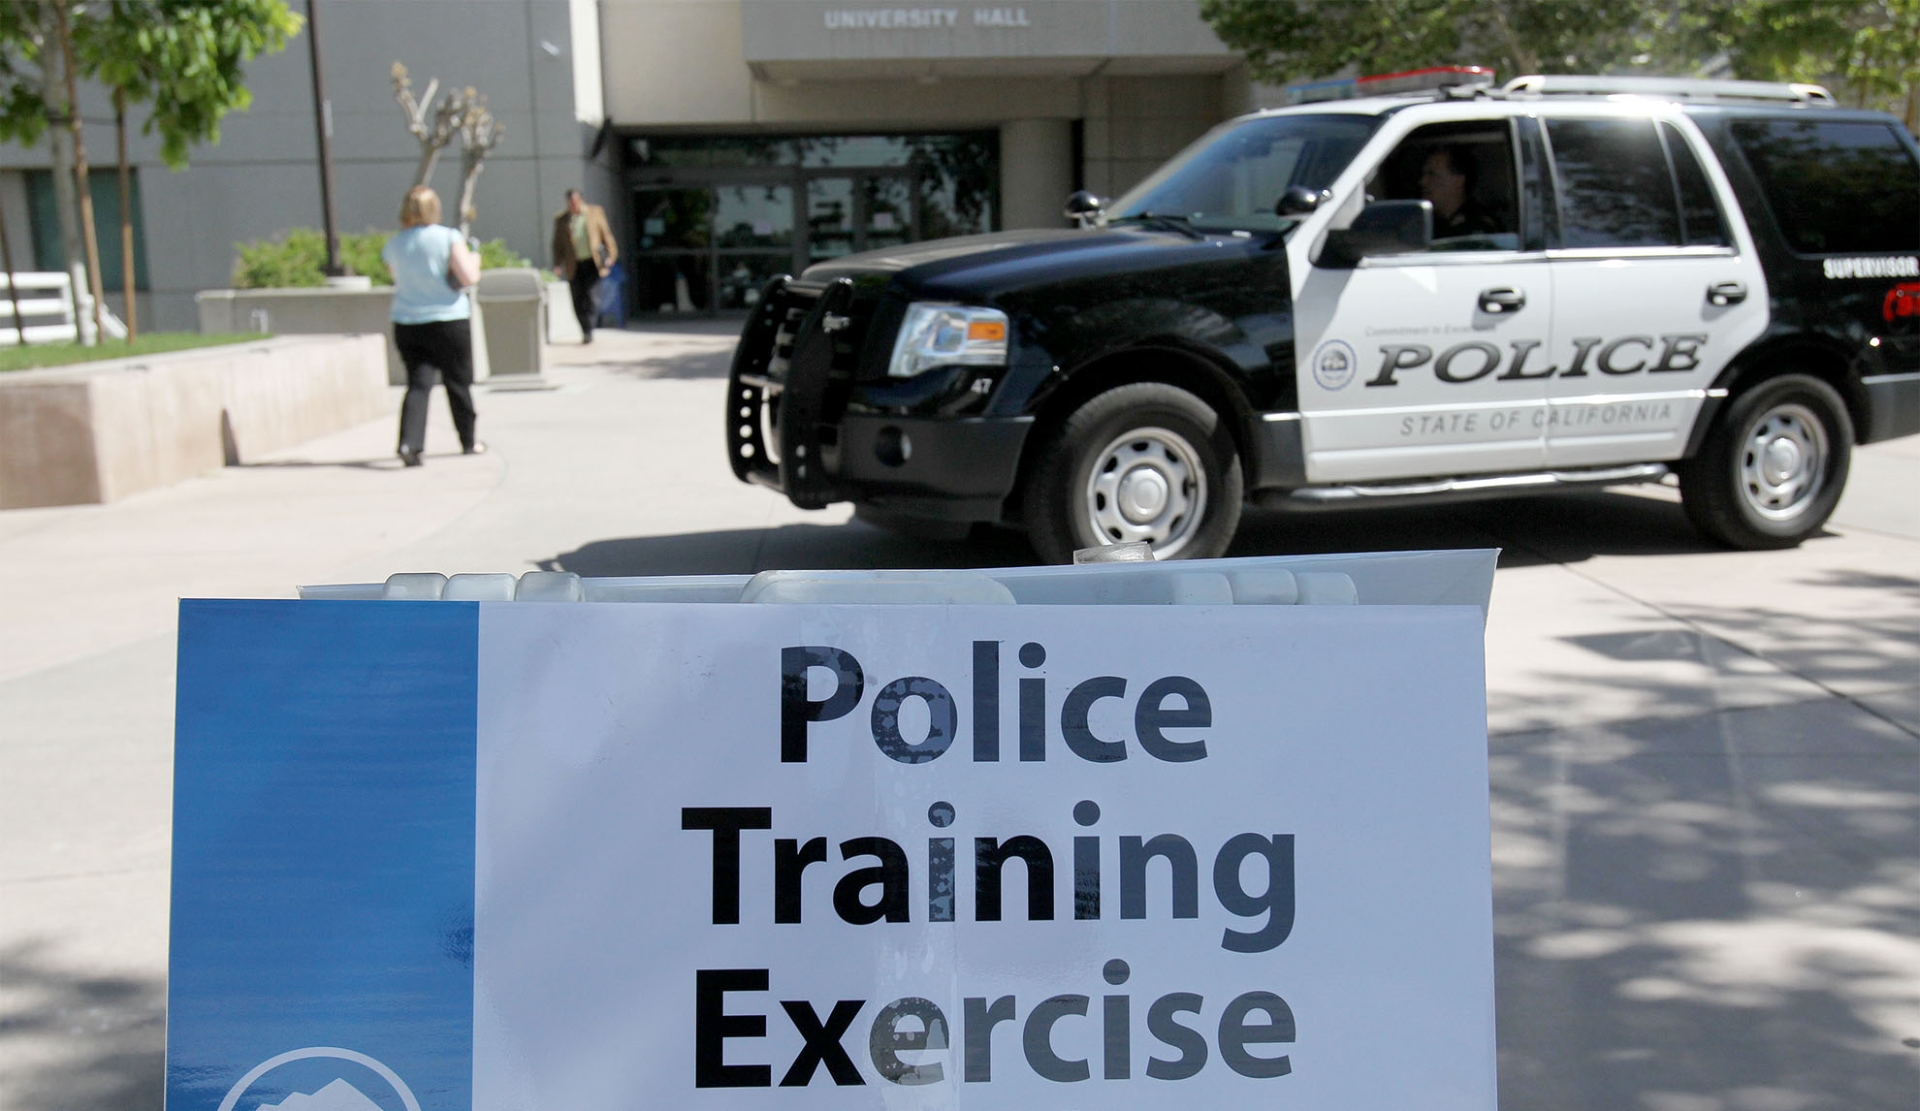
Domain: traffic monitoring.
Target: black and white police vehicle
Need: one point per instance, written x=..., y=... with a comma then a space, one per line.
x=1458, y=291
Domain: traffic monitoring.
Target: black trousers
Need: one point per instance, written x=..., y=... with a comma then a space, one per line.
x=586, y=275
x=445, y=347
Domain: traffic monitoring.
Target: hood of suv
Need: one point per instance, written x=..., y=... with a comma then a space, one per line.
x=985, y=266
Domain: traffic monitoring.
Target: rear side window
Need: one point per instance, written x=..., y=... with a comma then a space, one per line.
x=1700, y=219
x=1614, y=187
x=1835, y=187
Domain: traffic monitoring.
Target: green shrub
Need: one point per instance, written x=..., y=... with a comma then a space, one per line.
x=496, y=255
x=297, y=259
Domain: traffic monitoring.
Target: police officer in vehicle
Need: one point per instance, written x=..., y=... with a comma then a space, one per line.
x=1447, y=180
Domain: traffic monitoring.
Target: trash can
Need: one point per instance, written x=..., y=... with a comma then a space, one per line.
x=512, y=301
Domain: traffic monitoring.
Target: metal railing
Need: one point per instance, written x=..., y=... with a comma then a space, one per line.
x=48, y=310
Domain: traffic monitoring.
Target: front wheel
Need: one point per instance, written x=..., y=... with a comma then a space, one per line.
x=1772, y=469
x=1146, y=461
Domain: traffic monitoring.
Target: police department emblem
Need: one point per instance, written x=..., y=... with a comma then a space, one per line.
x=1333, y=364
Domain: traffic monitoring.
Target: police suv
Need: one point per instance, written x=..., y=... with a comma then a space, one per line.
x=1459, y=291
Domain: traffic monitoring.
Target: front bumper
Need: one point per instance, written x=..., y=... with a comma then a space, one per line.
x=788, y=427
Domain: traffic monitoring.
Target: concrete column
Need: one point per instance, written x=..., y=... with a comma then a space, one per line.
x=1036, y=172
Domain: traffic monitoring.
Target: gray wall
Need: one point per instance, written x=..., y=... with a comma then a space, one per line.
x=263, y=177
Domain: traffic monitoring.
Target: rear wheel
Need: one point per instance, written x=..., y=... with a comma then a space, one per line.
x=1773, y=468
x=1145, y=461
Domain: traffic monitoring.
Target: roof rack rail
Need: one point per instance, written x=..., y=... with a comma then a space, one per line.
x=1674, y=88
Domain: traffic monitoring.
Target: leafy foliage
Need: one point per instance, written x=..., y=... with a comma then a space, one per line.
x=297, y=259
x=183, y=59
x=1870, y=49
x=1288, y=39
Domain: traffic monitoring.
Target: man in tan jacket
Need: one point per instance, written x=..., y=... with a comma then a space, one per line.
x=583, y=252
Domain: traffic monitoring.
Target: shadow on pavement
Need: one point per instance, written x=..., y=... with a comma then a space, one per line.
x=790, y=547
x=1530, y=530
x=84, y=1043
x=1543, y=529
x=678, y=365
x=1720, y=912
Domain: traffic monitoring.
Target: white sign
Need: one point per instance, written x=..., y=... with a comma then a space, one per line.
x=1001, y=856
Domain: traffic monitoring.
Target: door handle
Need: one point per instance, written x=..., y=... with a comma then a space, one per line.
x=1503, y=300
x=1726, y=293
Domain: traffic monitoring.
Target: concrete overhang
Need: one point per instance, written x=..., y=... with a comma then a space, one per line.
x=933, y=69
x=816, y=40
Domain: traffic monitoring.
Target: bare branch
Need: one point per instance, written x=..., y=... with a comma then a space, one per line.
x=433, y=133
x=479, y=134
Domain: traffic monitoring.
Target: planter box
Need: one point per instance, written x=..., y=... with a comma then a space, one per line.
x=303, y=312
x=100, y=431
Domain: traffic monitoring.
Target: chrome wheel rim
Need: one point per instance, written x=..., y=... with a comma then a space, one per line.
x=1147, y=485
x=1783, y=462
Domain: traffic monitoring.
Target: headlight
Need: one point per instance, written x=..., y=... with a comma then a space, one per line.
x=942, y=335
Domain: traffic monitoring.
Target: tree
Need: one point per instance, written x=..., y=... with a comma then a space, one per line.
x=1292, y=39
x=183, y=59
x=461, y=112
x=1869, y=48
x=433, y=125
x=479, y=134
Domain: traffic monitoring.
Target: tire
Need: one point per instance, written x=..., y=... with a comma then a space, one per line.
x=1771, y=471
x=1145, y=461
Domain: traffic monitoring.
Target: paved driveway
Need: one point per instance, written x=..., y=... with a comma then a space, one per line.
x=1706, y=764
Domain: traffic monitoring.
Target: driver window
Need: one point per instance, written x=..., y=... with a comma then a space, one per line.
x=1466, y=171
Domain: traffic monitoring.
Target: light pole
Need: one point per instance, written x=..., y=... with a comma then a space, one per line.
x=323, y=124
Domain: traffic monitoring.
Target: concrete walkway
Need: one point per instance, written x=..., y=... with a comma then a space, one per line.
x=1705, y=766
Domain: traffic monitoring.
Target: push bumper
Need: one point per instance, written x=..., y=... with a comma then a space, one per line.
x=788, y=427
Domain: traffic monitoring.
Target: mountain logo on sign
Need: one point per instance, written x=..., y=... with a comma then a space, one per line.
x=337, y=1096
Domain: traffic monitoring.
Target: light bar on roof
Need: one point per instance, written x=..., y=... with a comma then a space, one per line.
x=1390, y=84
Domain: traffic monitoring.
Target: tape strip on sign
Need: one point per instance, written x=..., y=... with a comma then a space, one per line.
x=836, y=856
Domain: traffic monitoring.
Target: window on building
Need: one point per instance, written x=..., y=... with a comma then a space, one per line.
x=1614, y=186
x=716, y=216
x=49, y=253
x=1835, y=187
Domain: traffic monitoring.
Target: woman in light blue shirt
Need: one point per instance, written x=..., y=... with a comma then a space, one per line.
x=432, y=268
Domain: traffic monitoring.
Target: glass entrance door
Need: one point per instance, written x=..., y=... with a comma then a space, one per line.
x=849, y=213
x=673, y=269
x=715, y=217
x=753, y=240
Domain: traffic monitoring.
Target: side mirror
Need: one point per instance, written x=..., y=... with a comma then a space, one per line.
x=1083, y=206
x=1382, y=228
x=1299, y=200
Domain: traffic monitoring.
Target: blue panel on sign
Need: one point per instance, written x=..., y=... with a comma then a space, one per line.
x=323, y=856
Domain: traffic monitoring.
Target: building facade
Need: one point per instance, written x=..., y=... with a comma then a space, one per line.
x=728, y=139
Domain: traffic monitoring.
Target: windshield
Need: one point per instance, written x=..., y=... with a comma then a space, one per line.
x=1232, y=175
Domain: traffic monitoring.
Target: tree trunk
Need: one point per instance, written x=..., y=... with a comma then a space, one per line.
x=82, y=181
x=466, y=199
x=13, y=292
x=66, y=207
x=126, y=215
x=429, y=159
